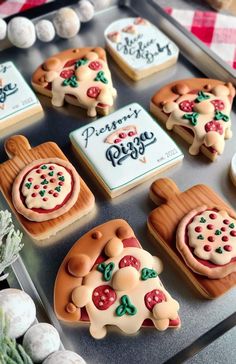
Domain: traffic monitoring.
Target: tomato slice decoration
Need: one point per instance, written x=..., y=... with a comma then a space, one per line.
x=129, y=260
x=103, y=297
x=67, y=73
x=214, y=126
x=186, y=106
x=154, y=297
x=93, y=92
x=218, y=104
x=95, y=66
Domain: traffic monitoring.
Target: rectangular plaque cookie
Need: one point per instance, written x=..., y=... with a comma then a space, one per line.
x=125, y=148
x=17, y=100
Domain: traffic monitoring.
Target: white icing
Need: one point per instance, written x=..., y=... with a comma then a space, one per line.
x=135, y=55
x=198, y=244
x=233, y=169
x=151, y=158
x=19, y=98
x=48, y=200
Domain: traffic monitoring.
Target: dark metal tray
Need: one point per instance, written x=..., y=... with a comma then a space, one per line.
x=41, y=262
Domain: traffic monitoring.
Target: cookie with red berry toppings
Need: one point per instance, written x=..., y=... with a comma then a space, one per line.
x=139, y=48
x=206, y=238
x=108, y=279
x=125, y=148
x=199, y=111
x=45, y=189
x=80, y=76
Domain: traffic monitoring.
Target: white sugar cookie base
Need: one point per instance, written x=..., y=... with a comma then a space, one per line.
x=184, y=134
x=129, y=186
x=135, y=74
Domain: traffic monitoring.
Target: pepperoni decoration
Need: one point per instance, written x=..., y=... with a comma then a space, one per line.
x=51, y=168
x=233, y=233
x=34, y=194
x=67, y=73
x=228, y=248
x=210, y=227
x=186, y=106
x=225, y=238
x=129, y=260
x=95, y=66
x=117, y=141
x=38, y=171
x=218, y=104
x=122, y=135
x=103, y=297
x=198, y=229
x=131, y=133
x=93, y=92
x=207, y=248
x=154, y=297
x=36, y=187
x=213, y=216
x=223, y=228
x=214, y=126
x=211, y=239
x=226, y=221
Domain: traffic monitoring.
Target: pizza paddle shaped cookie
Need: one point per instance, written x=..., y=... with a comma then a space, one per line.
x=42, y=187
x=108, y=279
x=198, y=230
x=80, y=76
x=199, y=111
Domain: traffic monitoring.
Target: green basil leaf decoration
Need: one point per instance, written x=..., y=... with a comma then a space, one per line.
x=81, y=62
x=106, y=270
x=219, y=250
x=202, y=220
x=147, y=273
x=44, y=167
x=101, y=77
x=58, y=189
x=200, y=237
x=72, y=82
x=218, y=232
x=42, y=193
x=28, y=185
x=126, y=307
x=201, y=97
x=44, y=182
x=220, y=116
x=192, y=118
x=231, y=225
x=62, y=178
x=51, y=173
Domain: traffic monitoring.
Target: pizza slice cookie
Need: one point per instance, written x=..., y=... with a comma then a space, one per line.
x=139, y=47
x=108, y=279
x=199, y=111
x=80, y=76
x=198, y=231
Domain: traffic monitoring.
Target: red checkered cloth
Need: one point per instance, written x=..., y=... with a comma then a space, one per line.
x=217, y=31
x=10, y=7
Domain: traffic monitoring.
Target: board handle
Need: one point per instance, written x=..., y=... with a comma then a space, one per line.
x=16, y=145
x=162, y=190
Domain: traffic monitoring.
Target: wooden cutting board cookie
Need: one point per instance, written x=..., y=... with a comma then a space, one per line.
x=42, y=187
x=198, y=231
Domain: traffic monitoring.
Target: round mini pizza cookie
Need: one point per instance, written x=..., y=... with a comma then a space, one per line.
x=206, y=239
x=45, y=189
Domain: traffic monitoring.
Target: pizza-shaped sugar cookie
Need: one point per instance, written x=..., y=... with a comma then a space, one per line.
x=80, y=76
x=45, y=189
x=139, y=48
x=199, y=111
x=206, y=238
x=108, y=279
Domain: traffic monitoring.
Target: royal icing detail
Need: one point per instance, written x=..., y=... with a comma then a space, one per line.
x=127, y=299
x=87, y=79
x=130, y=145
x=139, y=43
x=46, y=186
x=15, y=94
x=217, y=242
x=206, y=113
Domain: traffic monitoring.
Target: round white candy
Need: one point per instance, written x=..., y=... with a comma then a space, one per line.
x=45, y=30
x=62, y=357
x=101, y=4
x=66, y=23
x=3, y=29
x=85, y=11
x=40, y=341
x=21, y=32
x=233, y=169
x=19, y=309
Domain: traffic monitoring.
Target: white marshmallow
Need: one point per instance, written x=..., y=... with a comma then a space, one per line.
x=3, y=29
x=21, y=32
x=45, y=30
x=66, y=23
x=85, y=11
